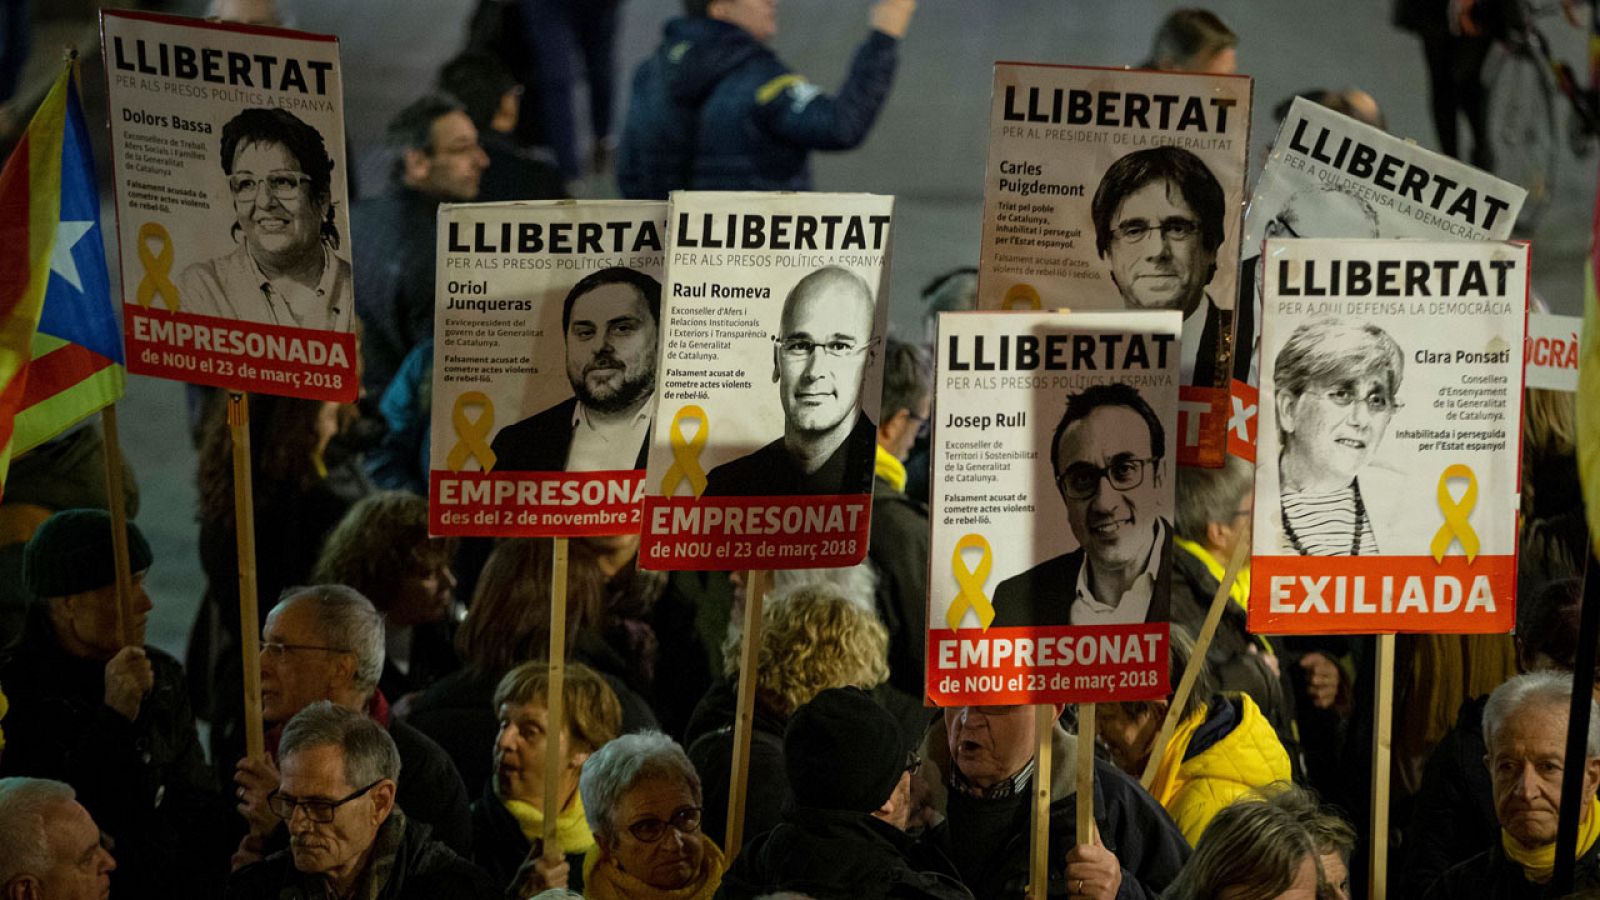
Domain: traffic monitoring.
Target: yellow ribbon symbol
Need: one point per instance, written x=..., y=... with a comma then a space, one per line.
x=1021, y=296
x=686, y=453
x=157, y=267
x=471, y=432
x=1456, y=527
x=971, y=581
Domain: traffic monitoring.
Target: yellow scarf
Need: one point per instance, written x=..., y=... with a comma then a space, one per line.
x=1539, y=863
x=890, y=469
x=1166, y=784
x=1241, y=584
x=572, y=829
x=604, y=881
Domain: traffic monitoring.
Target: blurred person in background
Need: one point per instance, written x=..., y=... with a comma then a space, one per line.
x=493, y=99
x=1194, y=40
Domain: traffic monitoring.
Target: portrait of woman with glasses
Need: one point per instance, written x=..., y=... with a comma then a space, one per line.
x=283, y=270
x=1334, y=393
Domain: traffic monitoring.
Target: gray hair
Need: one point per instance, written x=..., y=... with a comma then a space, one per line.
x=369, y=751
x=348, y=621
x=1333, y=350
x=1210, y=495
x=615, y=768
x=25, y=808
x=1547, y=687
x=558, y=894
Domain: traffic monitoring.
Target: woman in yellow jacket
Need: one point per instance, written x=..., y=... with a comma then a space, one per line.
x=1222, y=749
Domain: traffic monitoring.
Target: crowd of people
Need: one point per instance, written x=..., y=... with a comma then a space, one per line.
x=404, y=679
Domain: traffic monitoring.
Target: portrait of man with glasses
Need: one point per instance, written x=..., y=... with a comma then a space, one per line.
x=1108, y=454
x=1158, y=221
x=283, y=269
x=609, y=326
x=820, y=356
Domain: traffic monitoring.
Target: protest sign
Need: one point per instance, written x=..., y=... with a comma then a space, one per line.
x=1552, y=351
x=775, y=312
x=1121, y=189
x=227, y=145
x=1053, y=461
x=1329, y=176
x=544, y=371
x=1386, y=485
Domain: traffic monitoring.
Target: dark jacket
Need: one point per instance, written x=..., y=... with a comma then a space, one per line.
x=539, y=443
x=393, y=255
x=458, y=713
x=1452, y=817
x=771, y=472
x=988, y=839
x=400, y=461
x=715, y=109
x=1043, y=595
x=898, y=550
x=1492, y=876
x=514, y=173
x=710, y=747
x=145, y=782
x=835, y=855
x=499, y=848
x=419, y=868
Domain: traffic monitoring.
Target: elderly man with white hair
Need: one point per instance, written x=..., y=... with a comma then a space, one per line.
x=1525, y=729
x=50, y=847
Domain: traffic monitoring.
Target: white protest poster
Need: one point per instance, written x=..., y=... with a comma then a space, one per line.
x=1054, y=458
x=227, y=146
x=1387, y=477
x=775, y=312
x=1552, y=351
x=1329, y=176
x=1122, y=189
x=546, y=327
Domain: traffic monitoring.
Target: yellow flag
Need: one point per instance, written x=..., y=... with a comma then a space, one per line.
x=1589, y=387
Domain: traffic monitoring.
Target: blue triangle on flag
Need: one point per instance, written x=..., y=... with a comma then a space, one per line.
x=85, y=317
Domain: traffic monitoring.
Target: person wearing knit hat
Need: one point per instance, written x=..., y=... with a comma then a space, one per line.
x=843, y=835
x=108, y=718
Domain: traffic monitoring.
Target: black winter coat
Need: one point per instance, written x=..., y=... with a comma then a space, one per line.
x=499, y=848
x=710, y=747
x=834, y=855
x=1452, y=817
x=1492, y=876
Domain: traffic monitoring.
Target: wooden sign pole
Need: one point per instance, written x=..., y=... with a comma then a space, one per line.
x=744, y=718
x=1191, y=672
x=555, y=711
x=1382, y=742
x=1039, y=839
x=1086, y=829
x=245, y=528
x=119, y=524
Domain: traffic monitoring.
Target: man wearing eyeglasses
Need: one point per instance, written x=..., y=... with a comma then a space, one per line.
x=284, y=270
x=347, y=836
x=1108, y=454
x=1158, y=221
x=609, y=320
x=819, y=360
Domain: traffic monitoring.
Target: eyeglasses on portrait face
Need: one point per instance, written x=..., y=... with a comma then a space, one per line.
x=319, y=811
x=1081, y=480
x=686, y=819
x=796, y=349
x=1377, y=401
x=1175, y=229
x=283, y=185
x=275, y=649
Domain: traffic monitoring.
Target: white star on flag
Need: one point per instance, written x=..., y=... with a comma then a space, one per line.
x=68, y=234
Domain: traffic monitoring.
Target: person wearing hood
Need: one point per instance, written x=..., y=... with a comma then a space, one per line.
x=1222, y=749
x=979, y=775
x=715, y=109
x=844, y=835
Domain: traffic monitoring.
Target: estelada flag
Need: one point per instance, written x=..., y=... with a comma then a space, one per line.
x=60, y=346
x=1589, y=385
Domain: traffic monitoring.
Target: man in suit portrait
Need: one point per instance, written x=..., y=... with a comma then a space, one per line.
x=819, y=360
x=609, y=322
x=1158, y=221
x=1108, y=454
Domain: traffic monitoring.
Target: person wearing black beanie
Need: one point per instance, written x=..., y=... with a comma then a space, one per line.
x=842, y=836
x=95, y=708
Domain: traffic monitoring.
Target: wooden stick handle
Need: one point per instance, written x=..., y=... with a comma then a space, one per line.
x=555, y=723
x=244, y=520
x=1039, y=837
x=1086, y=829
x=744, y=718
x=119, y=525
x=1202, y=643
x=1382, y=742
